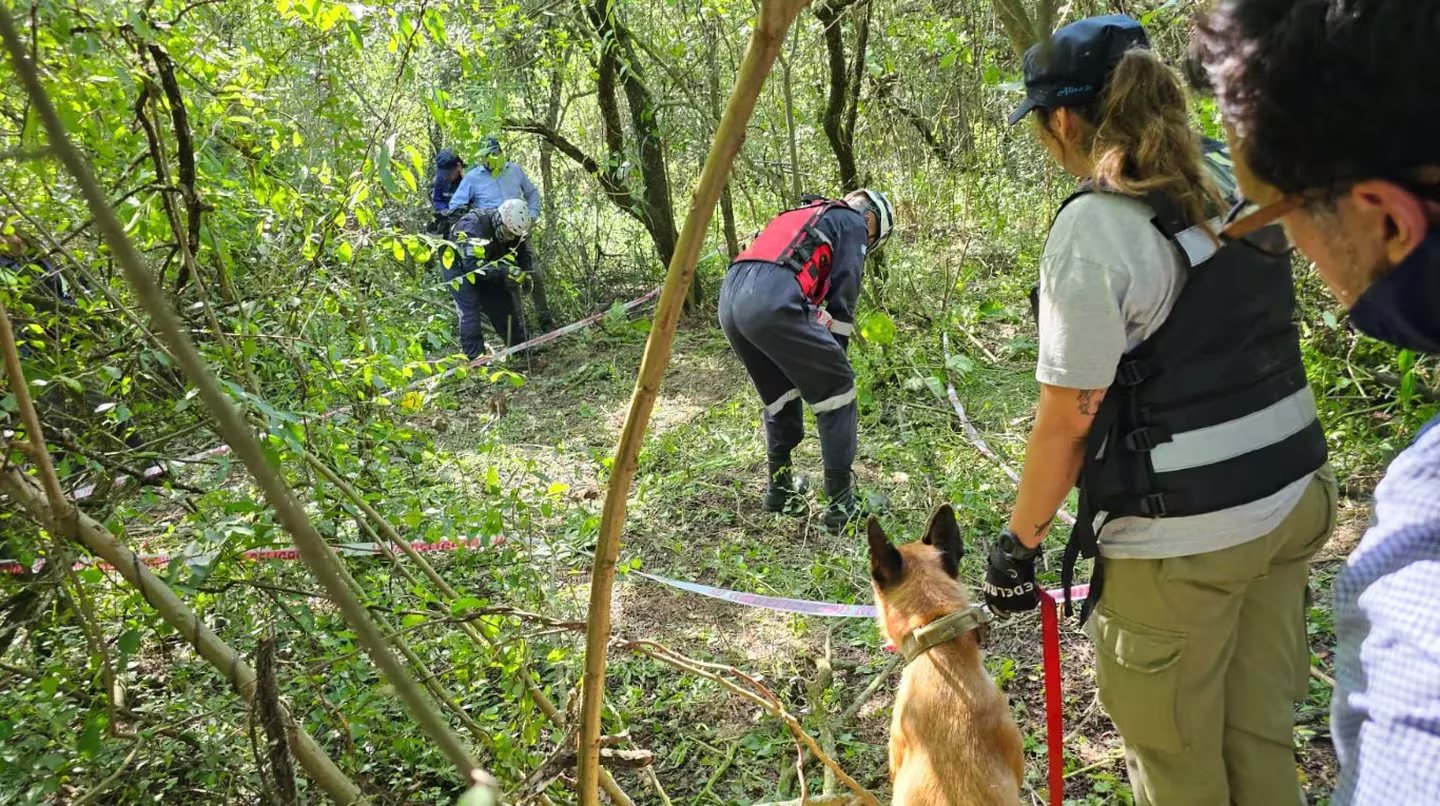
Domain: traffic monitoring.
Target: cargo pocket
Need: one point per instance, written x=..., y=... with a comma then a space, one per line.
x=1138, y=669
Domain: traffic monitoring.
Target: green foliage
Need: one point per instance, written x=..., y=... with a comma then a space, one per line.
x=292, y=244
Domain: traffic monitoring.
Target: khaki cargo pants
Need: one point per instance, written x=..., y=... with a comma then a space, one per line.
x=1200, y=661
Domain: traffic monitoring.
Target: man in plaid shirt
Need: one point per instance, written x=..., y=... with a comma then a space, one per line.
x=1334, y=112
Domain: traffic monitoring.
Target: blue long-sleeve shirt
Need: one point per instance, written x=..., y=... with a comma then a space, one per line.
x=442, y=192
x=1385, y=715
x=849, y=235
x=481, y=189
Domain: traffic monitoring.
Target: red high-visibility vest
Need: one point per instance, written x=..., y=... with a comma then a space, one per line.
x=793, y=239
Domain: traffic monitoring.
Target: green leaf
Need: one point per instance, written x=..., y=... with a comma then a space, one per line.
x=89, y=742
x=465, y=604
x=128, y=642
x=877, y=328
x=387, y=176
x=936, y=386
x=960, y=364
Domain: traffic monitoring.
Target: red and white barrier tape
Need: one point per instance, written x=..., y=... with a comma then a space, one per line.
x=1050, y=606
x=15, y=567
x=1049, y=614
x=428, y=383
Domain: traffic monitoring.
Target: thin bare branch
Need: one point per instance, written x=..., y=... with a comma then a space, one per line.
x=313, y=550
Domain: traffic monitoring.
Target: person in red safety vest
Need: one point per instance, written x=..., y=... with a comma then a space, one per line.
x=787, y=307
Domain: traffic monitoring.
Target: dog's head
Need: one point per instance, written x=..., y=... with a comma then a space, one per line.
x=917, y=583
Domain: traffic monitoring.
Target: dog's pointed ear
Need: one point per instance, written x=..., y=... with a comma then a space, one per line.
x=884, y=557
x=944, y=533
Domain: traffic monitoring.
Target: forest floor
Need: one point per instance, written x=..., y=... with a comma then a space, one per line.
x=695, y=515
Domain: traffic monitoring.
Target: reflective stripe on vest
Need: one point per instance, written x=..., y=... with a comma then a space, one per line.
x=1199, y=243
x=1253, y=432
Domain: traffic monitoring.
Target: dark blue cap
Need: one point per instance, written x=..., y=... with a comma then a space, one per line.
x=488, y=146
x=1071, y=68
x=446, y=161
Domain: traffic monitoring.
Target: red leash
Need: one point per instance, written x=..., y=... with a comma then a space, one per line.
x=1051, y=601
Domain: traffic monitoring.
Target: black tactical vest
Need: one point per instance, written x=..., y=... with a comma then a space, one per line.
x=1213, y=410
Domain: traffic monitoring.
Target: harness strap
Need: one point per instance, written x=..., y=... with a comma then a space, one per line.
x=1084, y=539
x=1083, y=543
x=945, y=628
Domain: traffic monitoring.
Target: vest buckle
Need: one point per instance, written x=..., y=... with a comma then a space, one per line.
x=1153, y=505
x=1143, y=440
x=1131, y=373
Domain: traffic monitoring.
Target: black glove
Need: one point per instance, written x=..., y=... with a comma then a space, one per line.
x=1010, y=576
x=517, y=276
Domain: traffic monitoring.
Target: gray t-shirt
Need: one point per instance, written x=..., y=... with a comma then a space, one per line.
x=1108, y=279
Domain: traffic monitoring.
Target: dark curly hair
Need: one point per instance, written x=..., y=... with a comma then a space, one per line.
x=1325, y=93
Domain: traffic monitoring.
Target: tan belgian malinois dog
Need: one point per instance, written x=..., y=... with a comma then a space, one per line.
x=952, y=740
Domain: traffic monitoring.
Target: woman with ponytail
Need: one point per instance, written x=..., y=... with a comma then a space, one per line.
x=1172, y=394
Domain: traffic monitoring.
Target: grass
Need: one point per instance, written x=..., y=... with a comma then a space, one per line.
x=531, y=461
x=696, y=516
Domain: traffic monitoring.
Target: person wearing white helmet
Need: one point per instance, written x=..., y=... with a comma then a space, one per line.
x=514, y=217
x=491, y=266
x=493, y=181
x=787, y=307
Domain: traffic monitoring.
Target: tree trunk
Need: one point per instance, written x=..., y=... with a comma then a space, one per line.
x=791, y=136
x=619, y=60
x=1022, y=27
x=774, y=20
x=842, y=95
x=727, y=201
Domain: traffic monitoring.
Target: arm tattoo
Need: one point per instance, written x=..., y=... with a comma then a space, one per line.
x=1041, y=527
x=1088, y=406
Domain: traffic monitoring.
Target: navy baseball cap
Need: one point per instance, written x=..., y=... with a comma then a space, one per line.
x=446, y=161
x=489, y=146
x=1070, y=69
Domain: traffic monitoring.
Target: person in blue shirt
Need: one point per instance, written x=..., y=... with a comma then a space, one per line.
x=449, y=171
x=1336, y=132
x=486, y=187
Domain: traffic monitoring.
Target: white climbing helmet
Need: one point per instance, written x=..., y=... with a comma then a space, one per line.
x=873, y=201
x=514, y=217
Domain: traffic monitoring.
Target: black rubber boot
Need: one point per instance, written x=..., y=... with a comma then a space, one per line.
x=840, y=493
x=783, y=494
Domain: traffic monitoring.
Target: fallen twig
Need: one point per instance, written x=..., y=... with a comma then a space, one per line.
x=823, y=800
x=104, y=785
x=757, y=694
x=853, y=711
x=977, y=440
